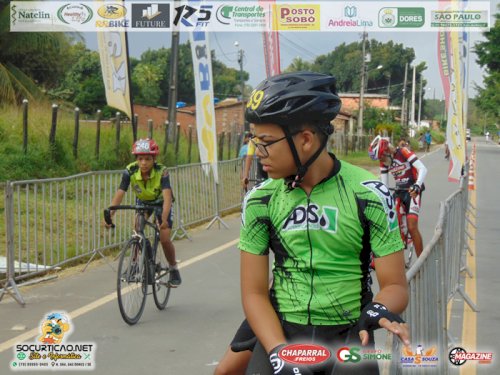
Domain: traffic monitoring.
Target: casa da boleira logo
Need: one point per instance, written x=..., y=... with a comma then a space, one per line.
x=421, y=357
x=51, y=349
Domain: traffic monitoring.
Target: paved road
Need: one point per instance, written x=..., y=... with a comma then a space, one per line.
x=193, y=332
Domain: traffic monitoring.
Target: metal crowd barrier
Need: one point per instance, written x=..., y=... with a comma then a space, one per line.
x=434, y=279
x=55, y=221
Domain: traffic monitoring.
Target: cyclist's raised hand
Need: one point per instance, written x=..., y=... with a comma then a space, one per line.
x=244, y=183
x=374, y=316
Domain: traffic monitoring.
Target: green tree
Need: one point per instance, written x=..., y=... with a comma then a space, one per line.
x=488, y=56
x=147, y=77
x=29, y=61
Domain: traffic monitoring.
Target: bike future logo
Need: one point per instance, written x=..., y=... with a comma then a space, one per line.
x=458, y=356
x=75, y=14
x=351, y=20
x=297, y=17
x=152, y=15
x=52, y=351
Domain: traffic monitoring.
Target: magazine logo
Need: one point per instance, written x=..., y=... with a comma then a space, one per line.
x=458, y=356
x=401, y=17
x=304, y=354
x=312, y=217
x=151, y=15
x=297, y=17
x=52, y=350
x=75, y=13
x=112, y=11
x=184, y=13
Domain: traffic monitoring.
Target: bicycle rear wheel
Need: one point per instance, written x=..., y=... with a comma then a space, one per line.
x=132, y=283
x=409, y=253
x=161, y=288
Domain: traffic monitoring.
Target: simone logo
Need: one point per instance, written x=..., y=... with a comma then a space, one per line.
x=304, y=354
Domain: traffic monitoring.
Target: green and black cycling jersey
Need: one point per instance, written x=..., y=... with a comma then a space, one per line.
x=149, y=191
x=321, y=242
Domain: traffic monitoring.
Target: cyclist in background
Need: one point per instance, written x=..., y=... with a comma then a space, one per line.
x=151, y=184
x=321, y=217
x=409, y=173
x=261, y=174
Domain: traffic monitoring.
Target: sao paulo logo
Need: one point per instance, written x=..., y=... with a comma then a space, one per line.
x=312, y=217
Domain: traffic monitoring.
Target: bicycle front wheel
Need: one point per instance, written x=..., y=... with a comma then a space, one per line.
x=132, y=283
x=161, y=288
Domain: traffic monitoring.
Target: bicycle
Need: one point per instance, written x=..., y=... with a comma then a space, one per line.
x=409, y=247
x=140, y=265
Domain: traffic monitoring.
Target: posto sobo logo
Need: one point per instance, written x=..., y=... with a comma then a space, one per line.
x=298, y=17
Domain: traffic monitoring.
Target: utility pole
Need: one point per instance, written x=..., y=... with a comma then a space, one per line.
x=413, y=88
x=241, y=55
x=172, y=97
x=403, y=104
x=419, y=103
x=362, y=86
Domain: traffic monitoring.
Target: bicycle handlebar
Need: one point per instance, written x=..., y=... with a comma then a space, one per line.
x=107, y=211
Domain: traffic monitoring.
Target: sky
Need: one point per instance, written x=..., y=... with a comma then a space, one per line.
x=308, y=46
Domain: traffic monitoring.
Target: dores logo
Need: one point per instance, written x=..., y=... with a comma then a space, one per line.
x=312, y=217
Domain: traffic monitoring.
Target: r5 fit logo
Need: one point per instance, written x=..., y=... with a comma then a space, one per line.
x=347, y=354
x=184, y=12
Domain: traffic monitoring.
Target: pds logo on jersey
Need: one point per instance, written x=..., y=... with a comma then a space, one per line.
x=312, y=217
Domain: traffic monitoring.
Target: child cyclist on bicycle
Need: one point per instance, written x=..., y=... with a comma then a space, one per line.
x=151, y=184
x=409, y=173
x=322, y=218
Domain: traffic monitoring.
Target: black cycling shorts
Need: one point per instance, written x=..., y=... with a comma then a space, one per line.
x=332, y=337
x=158, y=211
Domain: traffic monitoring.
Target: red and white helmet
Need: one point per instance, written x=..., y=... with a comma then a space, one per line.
x=378, y=147
x=145, y=147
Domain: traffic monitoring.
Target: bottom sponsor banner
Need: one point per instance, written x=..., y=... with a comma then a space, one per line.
x=458, y=356
x=51, y=350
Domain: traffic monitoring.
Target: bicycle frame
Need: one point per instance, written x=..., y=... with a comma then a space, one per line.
x=403, y=226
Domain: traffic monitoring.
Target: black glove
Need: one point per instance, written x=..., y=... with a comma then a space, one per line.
x=371, y=315
x=282, y=367
x=415, y=188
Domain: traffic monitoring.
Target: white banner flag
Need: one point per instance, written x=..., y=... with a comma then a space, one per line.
x=205, y=111
x=114, y=65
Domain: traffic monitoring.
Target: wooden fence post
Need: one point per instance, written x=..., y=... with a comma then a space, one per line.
x=98, y=134
x=77, y=129
x=177, y=136
x=150, y=128
x=166, y=138
x=25, y=125
x=190, y=141
x=53, y=126
x=117, y=140
x=135, y=125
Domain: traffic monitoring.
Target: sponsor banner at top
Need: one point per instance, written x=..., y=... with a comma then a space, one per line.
x=258, y=16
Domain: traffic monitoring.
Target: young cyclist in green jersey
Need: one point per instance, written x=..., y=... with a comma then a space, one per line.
x=321, y=218
x=151, y=184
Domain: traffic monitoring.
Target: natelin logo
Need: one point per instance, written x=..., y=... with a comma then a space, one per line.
x=401, y=17
x=313, y=218
x=75, y=13
x=52, y=351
